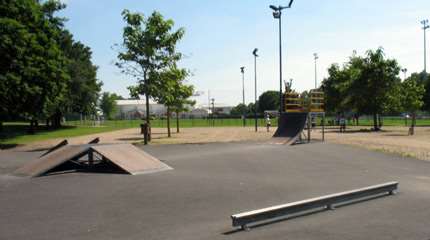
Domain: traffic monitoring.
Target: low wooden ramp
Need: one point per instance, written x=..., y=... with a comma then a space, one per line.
x=128, y=158
x=131, y=159
x=47, y=162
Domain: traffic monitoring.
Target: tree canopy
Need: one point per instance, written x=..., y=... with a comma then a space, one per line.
x=148, y=47
x=365, y=84
x=43, y=71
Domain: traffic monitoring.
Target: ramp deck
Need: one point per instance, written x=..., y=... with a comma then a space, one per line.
x=130, y=158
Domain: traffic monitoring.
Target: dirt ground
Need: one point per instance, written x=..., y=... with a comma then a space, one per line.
x=390, y=139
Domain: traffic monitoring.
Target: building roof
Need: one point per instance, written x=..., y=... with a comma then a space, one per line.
x=133, y=102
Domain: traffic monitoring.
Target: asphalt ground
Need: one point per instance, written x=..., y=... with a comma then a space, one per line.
x=208, y=184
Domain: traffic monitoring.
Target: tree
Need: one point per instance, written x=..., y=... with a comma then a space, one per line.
x=32, y=68
x=108, y=104
x=174, y=93
x=374, y=84
x=412, y=93
x=149, y=46
x=239, y=110
x=267, y=101
x=83, y=88
x=335, y=89
x=367, y=85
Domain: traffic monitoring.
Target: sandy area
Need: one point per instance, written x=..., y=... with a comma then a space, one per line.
x=391, y=139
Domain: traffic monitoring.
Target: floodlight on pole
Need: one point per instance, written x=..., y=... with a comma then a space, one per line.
x=315, y=59
x=426, y=26
x=277, y=13
x=404, y=71
x=255, y=89
x=242, y=70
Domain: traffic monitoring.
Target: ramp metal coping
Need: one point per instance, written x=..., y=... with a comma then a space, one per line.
x=56, y=147
x=244, y=219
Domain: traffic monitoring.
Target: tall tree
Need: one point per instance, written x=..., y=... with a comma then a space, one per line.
x=412, y=92
x=268, y=100
x=32, y=67
x=148, y=47
x=83, y=88
x=174, y=93
x=108, y=104
x=367, y=85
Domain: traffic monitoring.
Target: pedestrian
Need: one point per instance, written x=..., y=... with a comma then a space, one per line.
x=268, y=123
x=342, y=123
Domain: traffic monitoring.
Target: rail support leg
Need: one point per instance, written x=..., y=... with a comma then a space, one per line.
x=245, y=228
x=330, y=207
x=392, y=192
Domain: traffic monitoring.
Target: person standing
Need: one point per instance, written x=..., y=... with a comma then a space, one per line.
x=268, y=123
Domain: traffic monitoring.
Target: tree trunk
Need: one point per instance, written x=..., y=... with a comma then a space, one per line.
x=375, y=122
x=357, y=120
x=412, y=129
x=147, y=106
x=380, y=121
x=168, y=122
x=177, y=121
x=1, y=126
x=31, y=129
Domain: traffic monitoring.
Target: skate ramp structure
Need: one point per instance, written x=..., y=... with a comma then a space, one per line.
x=290, y=127
x=112, y=158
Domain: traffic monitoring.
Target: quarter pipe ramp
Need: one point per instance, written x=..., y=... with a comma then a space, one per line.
x=290, y=126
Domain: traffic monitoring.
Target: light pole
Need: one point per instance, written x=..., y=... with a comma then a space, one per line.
x=316, y=58
x=242, y=70
x=255, y=85
x=425, y=24
x=277, y=13
x=404, y=71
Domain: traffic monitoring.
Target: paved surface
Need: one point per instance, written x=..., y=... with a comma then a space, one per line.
x=208, y=184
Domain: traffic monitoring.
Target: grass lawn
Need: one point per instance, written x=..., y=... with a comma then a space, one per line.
x=15, y=133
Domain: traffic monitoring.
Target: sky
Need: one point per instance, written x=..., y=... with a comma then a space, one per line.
x=220, y=36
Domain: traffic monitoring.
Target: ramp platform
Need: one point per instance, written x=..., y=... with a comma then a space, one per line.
x=290, y=126
x=52, y=160
x=130, y=158
x=124, y=157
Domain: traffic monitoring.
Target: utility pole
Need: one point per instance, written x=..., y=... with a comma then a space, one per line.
x=213, y=111
x=425, y=24
x=242, y=70
x=255, y=90
x=315, y=59
x=277, y=13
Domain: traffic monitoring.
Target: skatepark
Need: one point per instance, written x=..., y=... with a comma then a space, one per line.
x=208, y=184
x=179, y=120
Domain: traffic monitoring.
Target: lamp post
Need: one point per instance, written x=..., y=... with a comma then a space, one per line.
x=404, y=71
x=315, y=59
x=425, y=24
x=242, y=70
x=277, y=13
x=255, y=85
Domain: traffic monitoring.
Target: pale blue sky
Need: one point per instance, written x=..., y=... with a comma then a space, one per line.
x=220, y=36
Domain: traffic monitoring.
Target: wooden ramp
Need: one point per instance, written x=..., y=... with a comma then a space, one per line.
x=88, y=157
x=47, y=162
x=131, y=159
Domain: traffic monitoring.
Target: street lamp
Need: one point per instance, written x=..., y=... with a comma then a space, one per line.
x=315, y=58
x=404, y=71
x=255, y=84
x=425, y=24
x=277, y=12
x=242, y=70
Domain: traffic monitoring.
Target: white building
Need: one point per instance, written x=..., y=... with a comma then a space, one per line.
x=136, y=109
